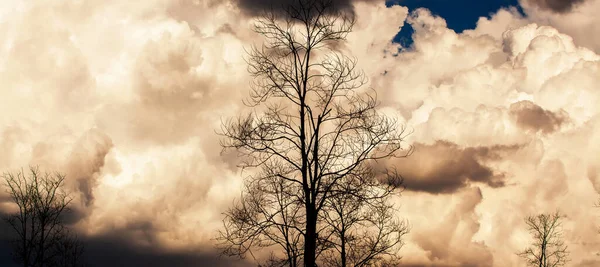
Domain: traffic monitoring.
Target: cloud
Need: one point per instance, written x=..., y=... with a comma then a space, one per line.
x=137, y=243
x=102, y=110
x=444, y=167
x=256, y=7
x=499, y=85
x=132, y=244
x=530, y=116
x=576, y=18
x=453, y=244
x=116, y=249
x=87, y=160
x=125, y=97
x=559, y=6
x=588, y=263
x=9, y=139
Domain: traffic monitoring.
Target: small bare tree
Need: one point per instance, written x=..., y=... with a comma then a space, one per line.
x=548, y=248
x=313, y=130
x=42, y=238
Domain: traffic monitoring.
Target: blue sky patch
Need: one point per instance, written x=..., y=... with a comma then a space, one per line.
x=459, y=14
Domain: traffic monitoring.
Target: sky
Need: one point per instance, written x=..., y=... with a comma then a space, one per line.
x=124, y=97
x=458, y=18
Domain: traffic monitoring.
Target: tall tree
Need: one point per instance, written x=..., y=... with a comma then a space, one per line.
x=42, y=238
x=548, y=248
x=313, y=129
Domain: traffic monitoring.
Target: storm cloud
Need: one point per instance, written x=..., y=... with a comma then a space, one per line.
x=136, y=245
x=445, y=167
x=131, y=245
x=559, y=6
x=257, y=7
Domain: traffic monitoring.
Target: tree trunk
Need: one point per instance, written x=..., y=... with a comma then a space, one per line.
x=310, y=239
x=25, y=245
x=343, y=252
x=42, y=245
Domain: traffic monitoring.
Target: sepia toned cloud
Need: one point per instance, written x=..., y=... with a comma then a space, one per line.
x=456, y=232
x=444, y=167
x=530, y=116
x=126, y=99
x=494, y=86
x=575, y=18
x=87, y=160
x=257, y=7
x=559, y=6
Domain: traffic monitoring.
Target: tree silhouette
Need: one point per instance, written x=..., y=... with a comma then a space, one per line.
x=42, y=238
x=548, y=248
x=311, y=138
x=362, y=227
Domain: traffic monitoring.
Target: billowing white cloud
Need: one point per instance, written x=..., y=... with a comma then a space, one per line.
x=124, y=98
x=579, y=21
x=510, y=83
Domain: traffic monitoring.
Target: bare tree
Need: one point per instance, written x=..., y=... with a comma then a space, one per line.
x=68, y=251
x=42, y=238
x=548, y=248
x=313, y=129
x=363, y=228
x=267, y=214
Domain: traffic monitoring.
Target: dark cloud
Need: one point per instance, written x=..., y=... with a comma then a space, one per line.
x=559, y=6
x=133, y=245
x=255, y=7
x=445, y=167
x=530, y=116
x=120, y=248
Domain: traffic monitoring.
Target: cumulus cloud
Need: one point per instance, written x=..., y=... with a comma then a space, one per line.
x=456, y=232
x=448, y=236
x=576, y=18
x=101, y=110
x=499, y=85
